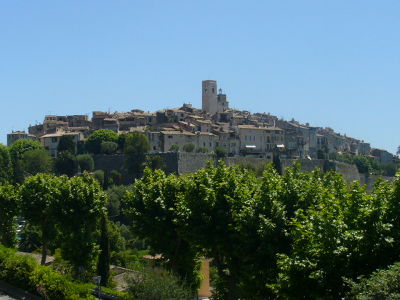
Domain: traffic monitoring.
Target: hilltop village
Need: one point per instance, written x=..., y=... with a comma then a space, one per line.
x=215, y=126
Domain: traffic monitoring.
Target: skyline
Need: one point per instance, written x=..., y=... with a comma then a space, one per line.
x=331, y=65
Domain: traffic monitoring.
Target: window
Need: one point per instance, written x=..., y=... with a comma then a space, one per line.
x=54, y=140
x=213, y=90
x=170, y=136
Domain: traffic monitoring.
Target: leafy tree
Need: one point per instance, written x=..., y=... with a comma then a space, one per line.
x=66, y=144
x=188, y=147
x=17, y=151
x=136, y=147
x=6, y=170
x=115, y=178
x=99, y=175
x=66, y=164
x=39, y=194
x=103, y=265
x=380, y=285
x=220, y=152
x=109, y=147
x=9, y=209
x=85, y=162
x=82, y=204
x=116, y=203
x=93, y=143
x=37, y=161
x=155, y=162
x=152, y=209
x=174, y=148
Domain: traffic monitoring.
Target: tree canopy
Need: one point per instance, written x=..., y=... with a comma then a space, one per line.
x=93, y=142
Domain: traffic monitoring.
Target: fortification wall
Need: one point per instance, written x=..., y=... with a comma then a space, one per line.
x=242, y=160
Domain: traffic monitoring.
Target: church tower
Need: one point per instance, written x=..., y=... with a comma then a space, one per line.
x=209, y=96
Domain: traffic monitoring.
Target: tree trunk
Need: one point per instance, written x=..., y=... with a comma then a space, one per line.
x=44, y=253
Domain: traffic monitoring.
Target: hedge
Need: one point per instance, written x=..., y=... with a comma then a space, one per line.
x=23, y=272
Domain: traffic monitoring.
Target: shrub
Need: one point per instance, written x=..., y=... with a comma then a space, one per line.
x=93, y=143
x=109, y=147
x=85, y=162
x=154, y=284
x=188, y=147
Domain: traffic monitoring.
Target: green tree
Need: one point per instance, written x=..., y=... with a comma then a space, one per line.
x=66, y=144
x=93, y=143
x=6, y=170
x=9, y=210
x=155, y=162
x=66, y=164
x=39, y=194
x=136, y=148
x=17, y=151
x=174, y=148
x=85, y=162
x=82, y=204
x=103, y=265
x=109, y=147
x=37, y=161
x=220, y=152
x=188, y=147
x=152, y=210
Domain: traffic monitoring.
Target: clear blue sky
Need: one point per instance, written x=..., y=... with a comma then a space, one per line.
x=329, y=63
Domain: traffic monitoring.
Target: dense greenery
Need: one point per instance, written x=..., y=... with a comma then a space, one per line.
x=94, y=141
x=296, y=236
x=367, y=165
x=136, y=147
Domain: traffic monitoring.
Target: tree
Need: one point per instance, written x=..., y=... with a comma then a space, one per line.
x=93, y=143
x=109, y=147
x=174, y=148
x=9, y=209
x=6, y=170
x=17, y=151
x=136, y=148
x=37, y=161
x=82, y=204
x=66, y=144
x=188, y=147
x=220, y=152
x=103, y=265
x=152, y=210
x=66, y=164
x=155, y=162
x=39, y=195
x=85, y=162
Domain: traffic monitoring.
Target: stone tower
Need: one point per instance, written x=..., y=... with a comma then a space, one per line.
x=209, y=96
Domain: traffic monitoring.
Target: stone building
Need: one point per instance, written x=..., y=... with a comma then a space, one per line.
x=19, y=135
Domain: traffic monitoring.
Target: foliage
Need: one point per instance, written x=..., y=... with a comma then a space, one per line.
x=99, y=176
x=136, y=147
x=153, y=284
x=66, y=143
x=367, y=165
x=188, y=147
x=380, y=285
x=37, y=161
x=85, y=162
x=9, y=209
x=109, y=147
x=220, y=152
x=103, y=264
x=6, y=170
x=93, y=143
x=17, y=151
x=23, y=272
x=81, y=202
x=39, y=196
x=30, y=238
x=66, y=164
x=155, y=162
x=174, y=148
x=152, y=207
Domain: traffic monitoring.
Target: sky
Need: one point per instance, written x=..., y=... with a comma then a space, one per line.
x=329, y=63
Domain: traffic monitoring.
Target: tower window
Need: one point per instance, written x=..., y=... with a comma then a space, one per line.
x=213, y=90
